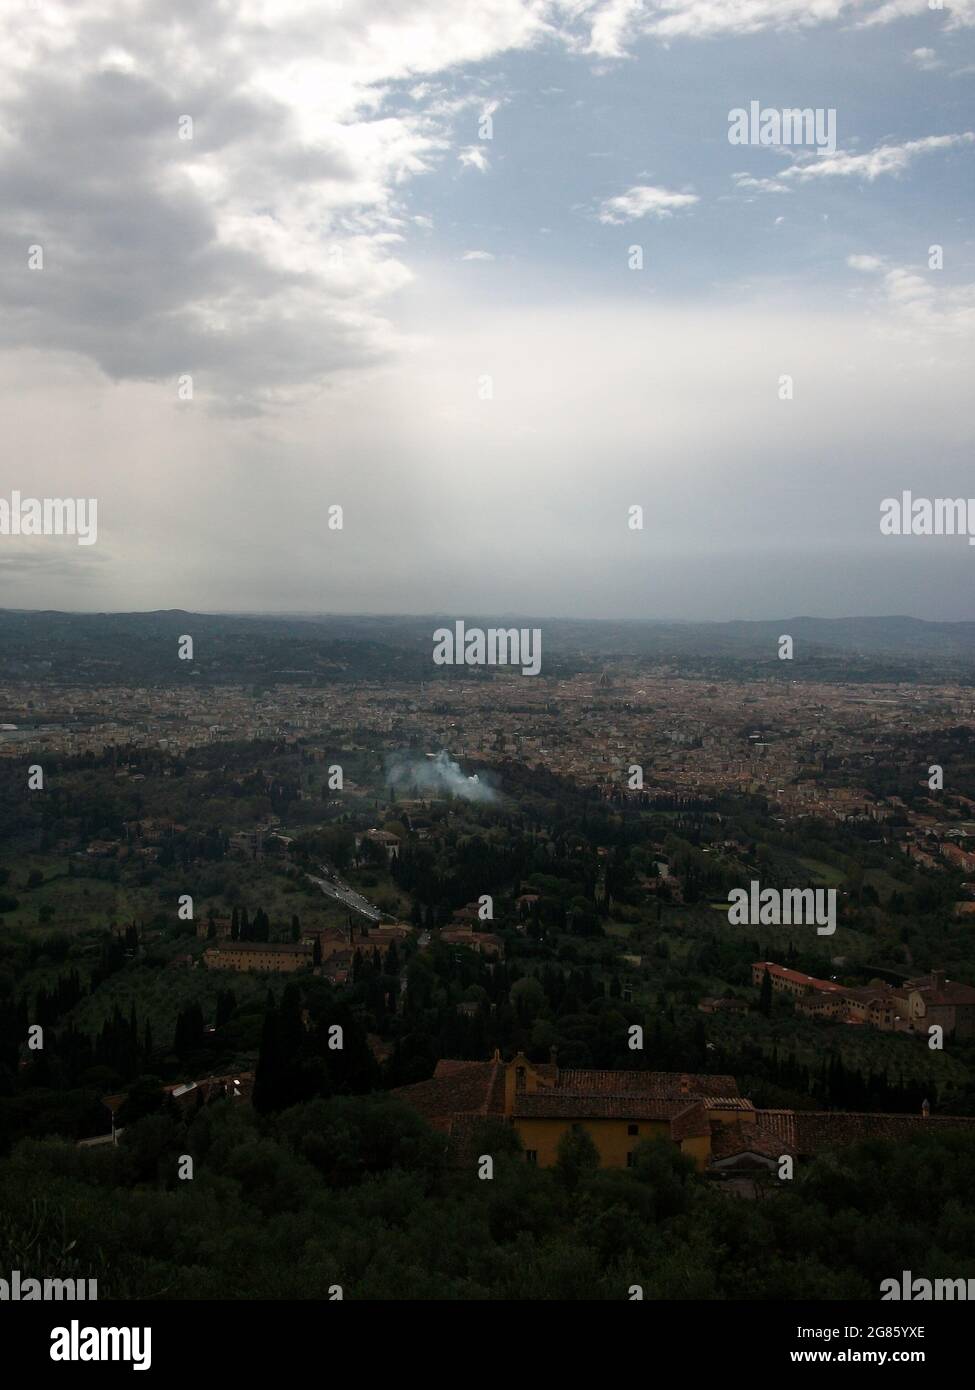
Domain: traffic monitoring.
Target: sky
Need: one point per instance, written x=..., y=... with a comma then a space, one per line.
x=487, y=275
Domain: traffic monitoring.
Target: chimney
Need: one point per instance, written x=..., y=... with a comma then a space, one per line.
x=937, y=980
x=685, y=1084
x=925, y=1108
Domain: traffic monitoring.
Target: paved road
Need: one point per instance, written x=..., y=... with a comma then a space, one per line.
x=341, y=892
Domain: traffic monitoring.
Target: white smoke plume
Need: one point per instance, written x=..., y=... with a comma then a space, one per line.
x=436, y=775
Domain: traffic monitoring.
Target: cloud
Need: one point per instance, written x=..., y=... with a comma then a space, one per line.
x=262, y=255
x=50, y=558
x=747, y=181
x=259, y=254
x=611, y=27
x=885, y=159
x=643, y=200
x=612, y=24
x=703, y=18
x=219, y=515
x=615, y=24
x=477, y=256
x=958, y=13
x=474, y=157
x=928, y=307
x=926, y=59
x=920, y=304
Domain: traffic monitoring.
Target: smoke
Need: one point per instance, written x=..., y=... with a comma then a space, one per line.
x=436, y=776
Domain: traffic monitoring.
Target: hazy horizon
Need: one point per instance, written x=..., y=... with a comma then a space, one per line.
x=499, y=617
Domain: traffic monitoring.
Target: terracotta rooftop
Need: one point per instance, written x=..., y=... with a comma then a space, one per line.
x=780, y=1123
x=661, y=1084
x=741, y=1137
x=809, y=1131
x=690, y=1122
x=796, y=977
x=951, y=992
x=865, y=994
x=817, y=1130
x=457, y=1088
x=297, y=948
x=558, y=1104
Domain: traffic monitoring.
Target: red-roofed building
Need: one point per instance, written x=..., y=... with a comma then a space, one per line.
x=794, y=982
x=704, y=1116
x=616, y=1108
x=483, y=943
x=936, y=1000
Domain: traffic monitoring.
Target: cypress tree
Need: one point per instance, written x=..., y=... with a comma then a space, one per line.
x=268, y=1069
x=765, y=994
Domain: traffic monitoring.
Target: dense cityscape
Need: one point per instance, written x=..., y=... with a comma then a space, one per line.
x=419, y=926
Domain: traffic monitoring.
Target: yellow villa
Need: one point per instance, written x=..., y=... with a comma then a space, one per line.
x=704, y=1116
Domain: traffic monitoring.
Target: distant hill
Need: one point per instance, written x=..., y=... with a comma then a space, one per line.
x=895, y=636
x=141, y=648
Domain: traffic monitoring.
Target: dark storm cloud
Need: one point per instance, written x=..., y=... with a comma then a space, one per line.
x=147, y=267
